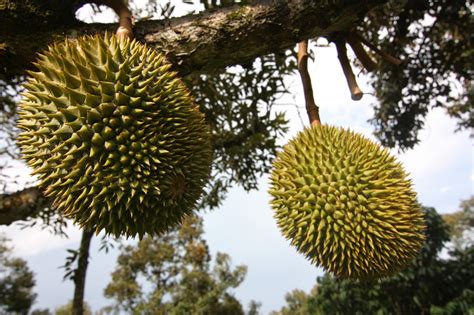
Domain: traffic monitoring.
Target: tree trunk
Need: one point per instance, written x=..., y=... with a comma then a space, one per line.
x=80, y=273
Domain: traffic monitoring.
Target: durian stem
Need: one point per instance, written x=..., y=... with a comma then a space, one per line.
x=311, y=108
x=360, y=52
x=125, y=28
x=356, y=93
x=382, y=53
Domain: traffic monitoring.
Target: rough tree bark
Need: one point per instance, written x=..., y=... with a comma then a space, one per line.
x=204, y=42
x=21, y=205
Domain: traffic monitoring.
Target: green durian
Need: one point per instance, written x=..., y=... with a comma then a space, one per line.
x=114, y=136
x=346, y=203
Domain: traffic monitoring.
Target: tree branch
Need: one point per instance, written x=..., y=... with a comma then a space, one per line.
x=205, y=42
x=21, y=205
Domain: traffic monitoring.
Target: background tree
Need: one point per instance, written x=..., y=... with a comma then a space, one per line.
x=67, y=309
x=299, y=302
x=461, y=224
x=16, y=282
x=435, y=283
x=174, y=274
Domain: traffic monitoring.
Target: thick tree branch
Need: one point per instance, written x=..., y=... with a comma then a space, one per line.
x=21, y=205
x=204, y=42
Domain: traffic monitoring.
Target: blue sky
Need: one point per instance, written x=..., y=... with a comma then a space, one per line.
x=441, y=167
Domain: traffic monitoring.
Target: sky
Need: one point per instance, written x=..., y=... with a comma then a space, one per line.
x=441, y=167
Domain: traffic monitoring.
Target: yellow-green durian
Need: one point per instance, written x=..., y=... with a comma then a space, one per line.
x=346, y=203
x=114, y=136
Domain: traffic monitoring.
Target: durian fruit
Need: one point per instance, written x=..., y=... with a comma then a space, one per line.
x=114, y=136
x=346, y=203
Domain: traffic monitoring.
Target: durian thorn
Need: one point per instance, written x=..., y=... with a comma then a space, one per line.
x=356, y=92
x=311, y=107
x=126, y=21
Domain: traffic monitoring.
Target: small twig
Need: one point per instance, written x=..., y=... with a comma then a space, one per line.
x=125, y=28
x=360, y=52
x=356, y=93
x=382, y=53
x=311, y=107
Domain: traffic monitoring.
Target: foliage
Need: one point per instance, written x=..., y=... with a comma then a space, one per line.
x=461, y=224
x=238, y=103
x=16, y=282
x=433, y=283
x=298, y=303
x=254, y=307
x=172, y=274
x=66, y=309
x=437, y=69
x=238, y=106
x=43, y=311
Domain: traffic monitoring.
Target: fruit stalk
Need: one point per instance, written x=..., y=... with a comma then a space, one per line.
x=356, y=93
x=125, y=28
x=311, y=107
x=360, y=52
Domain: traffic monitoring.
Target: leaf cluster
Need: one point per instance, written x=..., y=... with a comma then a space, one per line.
x=238, y=106
x=16, y=282
x=437, y=68
x=173, y=274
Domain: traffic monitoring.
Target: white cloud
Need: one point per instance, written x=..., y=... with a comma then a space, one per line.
x=446, y=189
